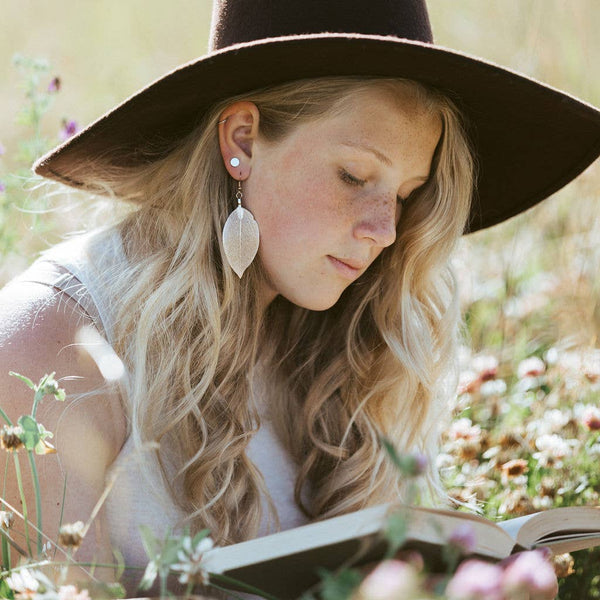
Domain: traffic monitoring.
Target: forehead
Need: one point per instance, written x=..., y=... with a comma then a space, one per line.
x=394, y=124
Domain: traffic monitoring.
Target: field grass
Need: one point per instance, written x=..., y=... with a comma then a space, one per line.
x=529, y=287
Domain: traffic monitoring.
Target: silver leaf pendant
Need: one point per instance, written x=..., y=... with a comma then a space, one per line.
x=240, y=239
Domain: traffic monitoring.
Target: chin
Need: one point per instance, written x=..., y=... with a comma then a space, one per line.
x=318, y=304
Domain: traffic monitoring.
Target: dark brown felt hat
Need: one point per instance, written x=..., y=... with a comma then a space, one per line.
x=530, y=139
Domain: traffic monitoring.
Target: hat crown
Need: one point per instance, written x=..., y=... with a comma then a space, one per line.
x=240, y=21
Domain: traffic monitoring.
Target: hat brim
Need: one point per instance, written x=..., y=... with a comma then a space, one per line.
x=530, y=139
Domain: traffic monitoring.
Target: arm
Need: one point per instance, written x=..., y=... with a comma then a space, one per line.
x=38, y=328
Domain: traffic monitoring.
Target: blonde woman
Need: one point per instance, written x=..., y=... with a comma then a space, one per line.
x=279, y=296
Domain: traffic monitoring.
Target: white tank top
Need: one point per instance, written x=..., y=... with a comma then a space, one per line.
x=78, y=269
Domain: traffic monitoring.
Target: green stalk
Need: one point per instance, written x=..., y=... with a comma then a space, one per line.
x=38, y=499
x=36, y=400
x=245, y=587
x=23, y=500
x=5, y=417
x=5, y=553
x=163, y=585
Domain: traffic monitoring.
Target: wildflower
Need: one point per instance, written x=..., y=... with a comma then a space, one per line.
x=70, y=592
x=2, y=149
x=463, y=538
x=414, y=464
x=531, y=367
x=516, y=503
x=7, y=519
x=69, y=129
x=468, y=382
x=11, y=438
x=464, y=429
x=190, y=565
x=476, y=580
x=548, y=486
x=390, y=580
x=552, y=449
x=591, y=418
x=71, y=535
x=563, y=565
x=530, y=573
x=54, y=85
x=514, y=468
x=2, y=187
x=23, y=583
x=486, y=367
x=493, y=387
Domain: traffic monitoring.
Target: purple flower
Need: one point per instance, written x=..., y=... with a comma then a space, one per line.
x=69, y=128
x=2, y=187
x=530, y=573
x=54, y=86
x=463, y=538
x=476, y=580
x=2, y=149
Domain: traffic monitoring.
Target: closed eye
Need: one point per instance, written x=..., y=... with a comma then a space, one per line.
x=350, y=179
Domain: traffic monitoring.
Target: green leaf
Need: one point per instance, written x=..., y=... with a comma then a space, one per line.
x=149, y=542
x=395, y=532
x=31, y=434
x=339, y=586
x=24, y=379
x=5, y=591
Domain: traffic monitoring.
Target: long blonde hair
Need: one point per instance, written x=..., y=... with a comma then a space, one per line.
x=189, y=331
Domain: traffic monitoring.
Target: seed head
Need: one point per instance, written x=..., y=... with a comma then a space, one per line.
x=71, y=535
x=6, y=519
x=10, y=438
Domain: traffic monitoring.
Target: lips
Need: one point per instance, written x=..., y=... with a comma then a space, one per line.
x=349, y=267
x=359, y=265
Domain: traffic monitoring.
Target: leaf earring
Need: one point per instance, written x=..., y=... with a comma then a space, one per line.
x=240, y=233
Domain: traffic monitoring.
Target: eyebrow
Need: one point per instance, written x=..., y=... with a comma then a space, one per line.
x=379, y=155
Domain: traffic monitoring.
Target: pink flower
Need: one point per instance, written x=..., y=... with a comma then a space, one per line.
x=70, y=592
x=530, y=573
x=2, y=149
x=476, y=580
x=591, y=418
x=463, y=538
x=2, y=187
x=69, y=129
x=54, y=85
x=391, y=579
x=531, y=367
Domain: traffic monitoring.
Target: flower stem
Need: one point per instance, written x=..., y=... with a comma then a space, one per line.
x=244, y=586
x=38, y=499
x=23, y=500
x=5, y=417
x=5, y=553
x=39, y=394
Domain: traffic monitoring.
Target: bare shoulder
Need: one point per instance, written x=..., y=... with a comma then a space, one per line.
x=38, y=335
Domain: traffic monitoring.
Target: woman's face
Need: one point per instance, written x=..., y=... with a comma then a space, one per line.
x=327, y=197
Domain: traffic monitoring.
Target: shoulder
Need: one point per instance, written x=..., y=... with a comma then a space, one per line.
x=39, y=329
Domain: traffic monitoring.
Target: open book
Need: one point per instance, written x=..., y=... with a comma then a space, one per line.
x=284, y=564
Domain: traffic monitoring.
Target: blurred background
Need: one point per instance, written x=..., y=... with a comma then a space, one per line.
x=530, y=288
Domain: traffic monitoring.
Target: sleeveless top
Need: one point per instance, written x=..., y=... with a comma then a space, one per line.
x=80, y=269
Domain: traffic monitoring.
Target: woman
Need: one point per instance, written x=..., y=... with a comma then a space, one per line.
x=268, y=380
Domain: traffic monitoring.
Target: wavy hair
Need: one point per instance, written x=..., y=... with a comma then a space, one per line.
x=190, y=334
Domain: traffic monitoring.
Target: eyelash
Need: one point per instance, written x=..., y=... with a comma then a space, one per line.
x=355, y=181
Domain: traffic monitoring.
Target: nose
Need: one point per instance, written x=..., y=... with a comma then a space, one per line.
x=378, y=223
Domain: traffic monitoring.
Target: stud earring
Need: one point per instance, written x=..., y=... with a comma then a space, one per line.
x=240, y=234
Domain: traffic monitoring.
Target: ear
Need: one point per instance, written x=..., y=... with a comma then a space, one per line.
x=238, y=129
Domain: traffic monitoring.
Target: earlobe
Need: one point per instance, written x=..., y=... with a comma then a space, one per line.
x=238, y=129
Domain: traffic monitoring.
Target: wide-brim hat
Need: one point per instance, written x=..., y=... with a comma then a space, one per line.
x=529, y=139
